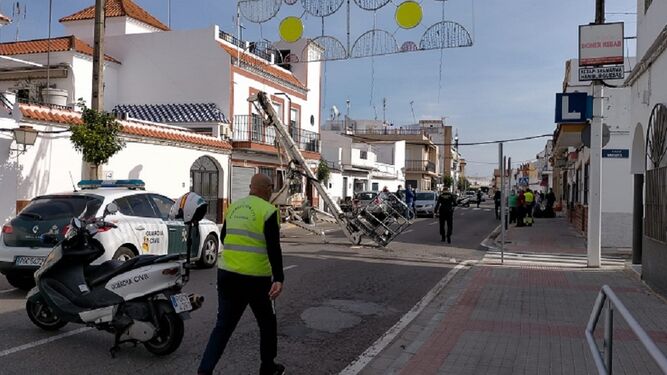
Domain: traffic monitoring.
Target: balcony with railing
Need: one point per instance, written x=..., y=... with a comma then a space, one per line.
x=423, y=166
x=308, y=141
x=250, y=133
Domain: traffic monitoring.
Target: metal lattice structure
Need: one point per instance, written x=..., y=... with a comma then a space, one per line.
x=656, y=135
x=377, y=40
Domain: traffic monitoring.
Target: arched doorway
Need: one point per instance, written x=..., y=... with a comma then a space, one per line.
x=204, y=180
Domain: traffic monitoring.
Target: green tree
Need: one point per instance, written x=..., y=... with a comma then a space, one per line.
x=463, y=183
x=98, y=138
x=323, y=171
x=447, y=181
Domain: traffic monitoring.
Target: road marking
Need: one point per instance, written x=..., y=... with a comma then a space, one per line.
x=43, y=341
x=366, y=357
x=7, y=291
x=433, y=223
x=33, y=344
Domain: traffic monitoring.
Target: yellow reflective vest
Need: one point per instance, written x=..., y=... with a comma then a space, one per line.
x=529, y=197
x=244, y=250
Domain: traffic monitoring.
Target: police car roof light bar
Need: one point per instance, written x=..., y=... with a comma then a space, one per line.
x=95, y=184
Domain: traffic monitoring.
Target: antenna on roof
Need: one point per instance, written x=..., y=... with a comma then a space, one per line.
x=72, y=179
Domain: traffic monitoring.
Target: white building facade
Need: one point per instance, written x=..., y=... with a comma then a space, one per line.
x=648, y=85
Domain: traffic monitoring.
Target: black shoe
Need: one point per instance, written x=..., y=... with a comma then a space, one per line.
x=449, y=239
x=275, y=369
x=443, y=239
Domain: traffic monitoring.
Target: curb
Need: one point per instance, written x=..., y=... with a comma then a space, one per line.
x=490, y=241
x=388, y=337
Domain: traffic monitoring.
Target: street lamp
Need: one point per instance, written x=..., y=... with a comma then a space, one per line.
x=24, y=136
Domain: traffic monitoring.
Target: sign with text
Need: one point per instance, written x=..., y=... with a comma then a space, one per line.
x=572, y=107
x=601, y=72
x=601, y=44
x=616, y=153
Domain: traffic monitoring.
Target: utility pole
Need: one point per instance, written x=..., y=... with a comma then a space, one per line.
x=501, y=162
x=97, y=102
x=594, y=242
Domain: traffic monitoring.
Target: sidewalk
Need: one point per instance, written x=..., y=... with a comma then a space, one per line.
x=525, y=319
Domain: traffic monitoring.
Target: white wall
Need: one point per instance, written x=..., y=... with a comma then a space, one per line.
x=82, y=66
x=332, y=143
x=83, y=29
x=43, y=168
x=171, y=67
x=649, y=25
x=355, y=155
x=334, y=186
x=114, y=26
x=173, y=182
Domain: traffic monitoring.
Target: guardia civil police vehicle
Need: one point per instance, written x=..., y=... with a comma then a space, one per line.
x=142, y=227
x=138, y=300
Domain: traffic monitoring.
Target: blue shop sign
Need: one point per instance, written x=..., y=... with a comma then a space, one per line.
x=575, y=107
x=616, y=153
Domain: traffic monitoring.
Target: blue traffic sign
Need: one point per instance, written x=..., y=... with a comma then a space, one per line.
x=573, y=107
x=616, y=153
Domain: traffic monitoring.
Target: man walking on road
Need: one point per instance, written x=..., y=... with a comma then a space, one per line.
x=410, y=202
x=250, y=272
x=445, y=210
x=479, y=197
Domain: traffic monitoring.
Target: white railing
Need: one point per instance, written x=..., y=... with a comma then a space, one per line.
x=604, y=359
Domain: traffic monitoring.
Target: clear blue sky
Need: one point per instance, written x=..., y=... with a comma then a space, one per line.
x=502, y=87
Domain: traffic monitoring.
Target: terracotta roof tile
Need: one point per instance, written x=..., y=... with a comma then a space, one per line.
x=263, y=65
x=61, y=44
x=161, y=132
x=118, y=8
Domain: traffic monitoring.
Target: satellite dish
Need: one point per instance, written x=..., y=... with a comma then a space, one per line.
x=586, y=136
x=335, y=113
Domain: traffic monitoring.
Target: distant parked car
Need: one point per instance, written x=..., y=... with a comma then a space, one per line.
x=143, y=227
x=425, y=203
x=363, y=198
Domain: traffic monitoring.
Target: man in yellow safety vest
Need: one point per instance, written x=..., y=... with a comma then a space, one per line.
x=250, y=272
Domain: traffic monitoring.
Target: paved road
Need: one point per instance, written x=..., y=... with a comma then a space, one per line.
x=338, y=300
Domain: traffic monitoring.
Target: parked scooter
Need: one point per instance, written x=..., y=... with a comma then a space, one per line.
x=139, y=300
x=463, y=201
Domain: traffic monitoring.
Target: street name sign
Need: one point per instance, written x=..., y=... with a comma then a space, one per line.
x=601, y=44
x=616, y=153
x=601, y=72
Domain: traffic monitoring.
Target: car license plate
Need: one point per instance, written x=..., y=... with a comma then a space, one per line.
x=29, y=261
x=181, y=303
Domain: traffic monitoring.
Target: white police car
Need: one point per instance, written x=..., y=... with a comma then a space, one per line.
x=142, y=220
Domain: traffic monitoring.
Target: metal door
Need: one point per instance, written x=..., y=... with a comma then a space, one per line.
x=241, y=177
x=204, y=177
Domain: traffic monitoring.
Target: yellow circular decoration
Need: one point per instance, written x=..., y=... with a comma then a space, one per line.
x=408, y=14
x=291, y=29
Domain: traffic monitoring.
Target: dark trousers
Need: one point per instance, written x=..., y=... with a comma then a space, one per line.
x=235, y=292
x=446, y=218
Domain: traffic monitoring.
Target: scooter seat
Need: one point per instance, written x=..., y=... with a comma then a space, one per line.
x=103, y=275
x=94, y=272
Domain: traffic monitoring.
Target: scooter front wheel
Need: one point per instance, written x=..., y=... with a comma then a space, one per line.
x=43, y=316
x=169, y=335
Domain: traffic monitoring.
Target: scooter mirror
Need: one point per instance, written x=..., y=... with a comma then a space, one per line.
x=111, y=209
x=49, y=239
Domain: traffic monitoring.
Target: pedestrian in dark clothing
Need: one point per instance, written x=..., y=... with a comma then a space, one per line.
x=250, y=272
x=410, y=202
x=400, y=193
x=551, y=199
x=496, y=202
x=445, y=210
x=479, y=197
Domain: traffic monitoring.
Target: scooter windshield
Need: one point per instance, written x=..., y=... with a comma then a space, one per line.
x=54, y=257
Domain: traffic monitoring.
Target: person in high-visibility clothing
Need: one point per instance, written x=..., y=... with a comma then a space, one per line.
x=530, y=204
x=250, y=272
